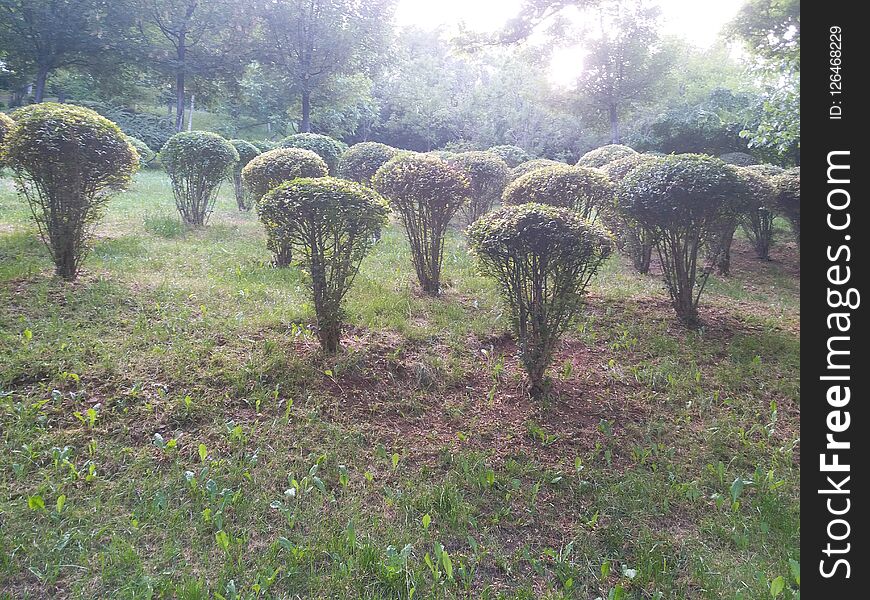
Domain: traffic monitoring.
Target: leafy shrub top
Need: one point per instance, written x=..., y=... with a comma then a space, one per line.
x=198, y=154
x=788, y=194
x=443, y=154
x=327, y=148
x=354, y=208
x=272, y=168
x=532, y=165
x=247, y=151
x=53, y=144
x=487, y=173
x=561, y=235
x=683, y=191
x=578, y=188
x=512, y=155
x=759, y=187
x=146, y=154
x=605, y=154
x=767, y=170
x=741, y=159
x=361, y=161
x=264, y=145
x=410, y=179
x=6, y=124
x=617, y=170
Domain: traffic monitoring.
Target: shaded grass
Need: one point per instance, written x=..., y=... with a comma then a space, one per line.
x=623, y=479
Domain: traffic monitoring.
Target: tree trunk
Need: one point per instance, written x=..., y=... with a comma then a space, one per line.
x=61, y=96
x=179, y=83
x=614, y=124
x=305, y=125
x=41, y=77
x=190, y=116
x=723, y=262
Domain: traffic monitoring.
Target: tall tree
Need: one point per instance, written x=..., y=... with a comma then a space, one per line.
x=190, y=38
x=626, y=62
x=309, y=42
x=40, y=36
x=771, y=30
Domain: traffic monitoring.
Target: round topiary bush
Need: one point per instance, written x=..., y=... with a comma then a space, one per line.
x=632, y=237
x=532, y=165
x=67, y=161
x=426, y=192
x=766, y=170
x=739, y=159
x=583, y=190
x=146, y=154
x=605, y=154
x=6, y=124
x=197, y=163
x=512, y=155
x=788, y=198
x=269, y=170
x=684, y=201
x=487, y=175
x=333, y=223
x=361, y=161
x=264, y=145
x=757, y=222
x=543, y=258
x=442, y=154
x=247, y=152
x=325, y=147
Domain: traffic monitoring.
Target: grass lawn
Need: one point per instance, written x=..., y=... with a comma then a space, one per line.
x=170, y=430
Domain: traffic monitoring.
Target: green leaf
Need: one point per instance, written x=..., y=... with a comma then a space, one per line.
x=222, y=539
x=203, y=452
x=426, y=521
x=61, y=500
x=395, y=459
x=605, y=569
x=448, y=564
x=36, y=503
x=777, y=586
x=795, y=568
x=736, y=489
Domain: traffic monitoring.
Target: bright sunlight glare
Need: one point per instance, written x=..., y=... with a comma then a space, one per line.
x=697, y=22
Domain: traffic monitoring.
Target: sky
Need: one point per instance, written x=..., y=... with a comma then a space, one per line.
x=698, y=21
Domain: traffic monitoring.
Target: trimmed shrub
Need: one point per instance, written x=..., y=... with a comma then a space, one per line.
x=146, y=154
x=333, y=223
x=197, y=163
x=67, y=161
x=269, y=170
x=264, y=145
x=543, y=258
x=487, y=175
x=442, y=154
x=738, y=159
x=426, y=192
x=684, y=201
x=765, y=169
x=512, y=155
x=247, y=152
x=603, y=155
x=6, y=124
x=330, y=150
x=788, y=198
x=632, y=237
x=362, y=161
x=532, y=165
x=585, y=191
x=721, y=246
x=757, y=223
